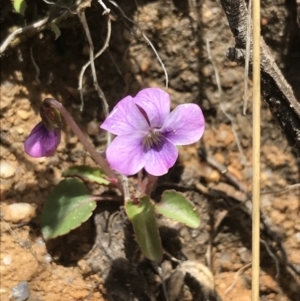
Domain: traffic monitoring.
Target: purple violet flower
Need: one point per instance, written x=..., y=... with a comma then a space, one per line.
x=147, y=133
x=42, y=142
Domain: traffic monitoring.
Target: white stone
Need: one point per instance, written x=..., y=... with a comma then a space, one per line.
x=23, y=114
x=6, y=170
x=18, y=212
x=48, y=258
x=20, y=131
x=7, y=260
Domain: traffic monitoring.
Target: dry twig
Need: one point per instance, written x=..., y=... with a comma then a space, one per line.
x=146, y=38
x=247, y=59
x=101, y=95
x=283, y=190
x=36, y=67
x=10, y=38
x=228, y=116
x=256, y=137
x=83, y=69
x=273, y=257
x=238, y=273
x=94, y=74
x=275, y=90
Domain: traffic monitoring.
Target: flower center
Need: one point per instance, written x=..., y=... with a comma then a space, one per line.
x=152, y=139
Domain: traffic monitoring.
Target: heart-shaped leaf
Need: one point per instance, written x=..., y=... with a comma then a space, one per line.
x=66, y=208
x=143, y=219
x=87, y=173
x=175, y=206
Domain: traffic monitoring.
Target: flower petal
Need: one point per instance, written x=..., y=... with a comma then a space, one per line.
x=185, y=125
x=159, y=161
x=42, y=142
x=125, y=118
x=156, y=103
x=125, y=154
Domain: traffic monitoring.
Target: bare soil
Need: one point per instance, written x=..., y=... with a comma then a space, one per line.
x=95, y=262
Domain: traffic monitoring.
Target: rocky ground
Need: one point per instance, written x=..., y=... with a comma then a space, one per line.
x=80, y=266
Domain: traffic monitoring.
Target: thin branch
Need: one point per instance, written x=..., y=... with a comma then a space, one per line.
x=9, y=39
x=147, y=40
x=275, y=90
x=163, y=281
x=228, y=116
x=60, y=6
x=83, y=69
x=100, y=198
x=106, y=9
x=237, y=274
x=101, y=95
x=283, y=190
x=36, y=67
x=256, y=137
x=158, y=58
x=247, y=59
x=224, y=171
x=273, y=257
x=298, y=13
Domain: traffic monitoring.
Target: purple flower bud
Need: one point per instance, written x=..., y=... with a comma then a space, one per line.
x=50, y=115
x=147, y=133
x=42, y=142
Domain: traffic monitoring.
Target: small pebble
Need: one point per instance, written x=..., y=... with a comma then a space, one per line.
x=18, y=212
x=21, y=291
x=20, y=131
x=24, y=115
x=208, y=173
x=48, y=258
x=20, y=186
x=73, y=140
x=6, y=184
x=41, y=160
x=83, y=266
x=69, y=280
x=7, y=260
x=6, y=170
x=145, y=63
x=93, y=128
x=43, y=183
x=229, y=78
x=7, y=84
x=244, y=254
x=40, y=242
x=4, y=103
x=225, y=261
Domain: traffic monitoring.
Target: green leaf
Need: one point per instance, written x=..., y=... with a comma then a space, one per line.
x=175, y=206
x=87, y=173
x=143, y=219
x=67, y=207
x=55, y=30
x=20, y=6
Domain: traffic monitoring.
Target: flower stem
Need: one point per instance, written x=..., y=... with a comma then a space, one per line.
x=86, y=143
x=147, y=184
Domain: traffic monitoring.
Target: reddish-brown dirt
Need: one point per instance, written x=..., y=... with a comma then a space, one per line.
x=61, y=269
